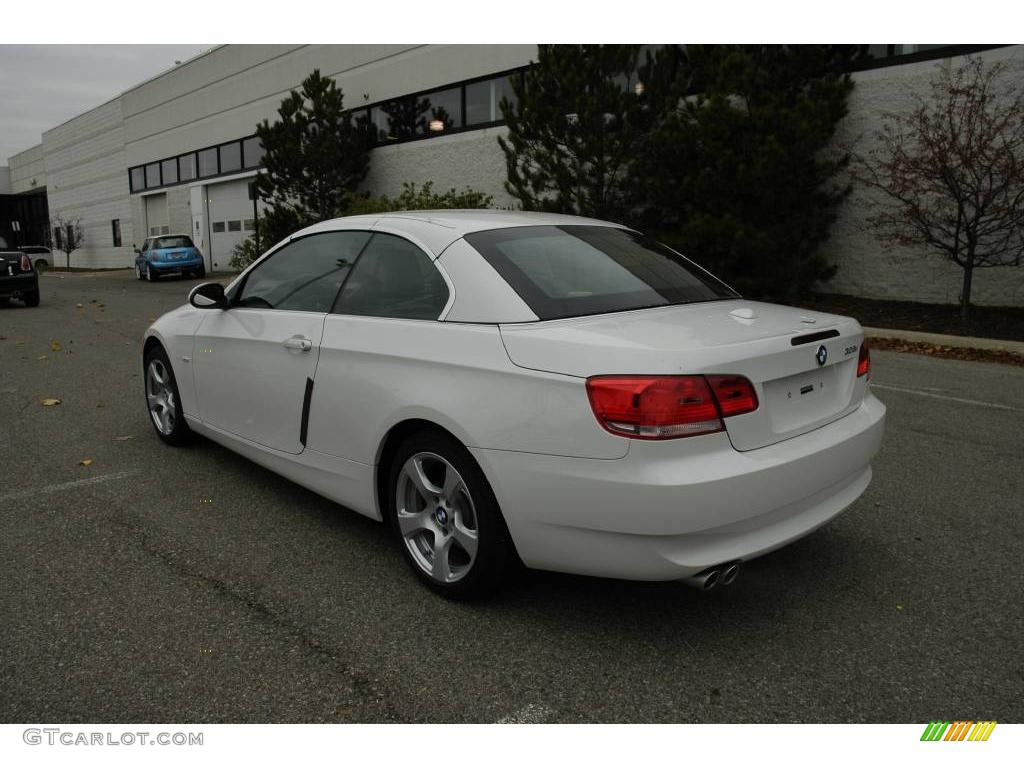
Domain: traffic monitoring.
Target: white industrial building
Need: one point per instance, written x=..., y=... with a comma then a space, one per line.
x=175, y=153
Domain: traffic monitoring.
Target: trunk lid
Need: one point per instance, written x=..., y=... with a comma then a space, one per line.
x=775, y=347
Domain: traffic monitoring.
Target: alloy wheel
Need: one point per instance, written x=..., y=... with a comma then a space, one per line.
x=436, y=517
x=160, y=397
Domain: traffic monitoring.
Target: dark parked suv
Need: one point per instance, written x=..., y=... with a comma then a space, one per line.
x=18, y=276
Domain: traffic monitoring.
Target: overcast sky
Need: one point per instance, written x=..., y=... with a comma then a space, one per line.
x=41, y=86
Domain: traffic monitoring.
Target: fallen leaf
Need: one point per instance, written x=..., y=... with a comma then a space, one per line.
x=123, y=438
x=99, y=405
x=85, y=462
x=78, y=305
x=19, y=343
x=899, y=607
x=55, y=346
x=50, y=401
x=42, y=357
x=92, y=301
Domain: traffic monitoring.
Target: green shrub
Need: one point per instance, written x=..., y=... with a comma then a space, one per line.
x=244, y=254
x=419, y=198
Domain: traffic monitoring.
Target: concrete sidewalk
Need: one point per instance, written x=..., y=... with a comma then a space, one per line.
x=946, y=340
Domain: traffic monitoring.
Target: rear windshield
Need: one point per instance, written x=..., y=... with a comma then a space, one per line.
x=174, y=241
x=570, y=271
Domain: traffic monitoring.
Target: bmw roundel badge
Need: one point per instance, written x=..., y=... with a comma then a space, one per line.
x=821, y=355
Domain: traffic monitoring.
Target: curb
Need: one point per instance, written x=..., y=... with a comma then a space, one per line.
x=946, y=340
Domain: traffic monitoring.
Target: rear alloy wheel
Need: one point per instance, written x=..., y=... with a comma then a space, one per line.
x=42, y=265
x=162, y=400
x=446, y=517
x=31, y=299
x=150, y=274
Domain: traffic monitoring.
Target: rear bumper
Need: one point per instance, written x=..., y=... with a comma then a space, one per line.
x=175, y=266
x=16, y=285
x=671, y=509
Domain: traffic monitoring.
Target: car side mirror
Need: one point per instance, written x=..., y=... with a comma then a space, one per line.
x=208, y=296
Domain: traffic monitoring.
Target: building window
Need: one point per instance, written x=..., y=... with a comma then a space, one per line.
x=249, y=225
x=115, y=232
x=442, y=110
x=231, y=157
x=58, y=238
x=169, y=170
x=138, y=179
x=208, y=162
x=483, y=99
x=218, y=226
x=235, y=226
x=252, y=152
x=152, y=175
x=187, y=167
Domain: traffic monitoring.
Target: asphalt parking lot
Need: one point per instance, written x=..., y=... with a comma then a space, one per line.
x=163, y=585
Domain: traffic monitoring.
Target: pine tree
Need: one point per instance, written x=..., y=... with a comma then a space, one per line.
x=578, y=122
x=315, y=156
x=740, y=177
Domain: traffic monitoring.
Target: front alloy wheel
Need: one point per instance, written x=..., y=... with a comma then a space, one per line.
x=162, y=400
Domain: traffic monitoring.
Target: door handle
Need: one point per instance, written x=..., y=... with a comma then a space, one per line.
x=298, y=342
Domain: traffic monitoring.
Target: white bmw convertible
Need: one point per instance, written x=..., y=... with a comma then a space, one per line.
x=505, y=387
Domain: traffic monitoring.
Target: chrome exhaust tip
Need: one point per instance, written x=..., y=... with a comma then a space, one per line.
x=730, y=573
x=705, y=580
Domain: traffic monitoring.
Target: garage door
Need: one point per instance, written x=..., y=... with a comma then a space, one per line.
x=230, y=219
x=156, y=215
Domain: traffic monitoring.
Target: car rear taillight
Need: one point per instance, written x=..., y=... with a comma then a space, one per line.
x=26, y=265
x=666, y=407
x=864, y=361
x=735, y=394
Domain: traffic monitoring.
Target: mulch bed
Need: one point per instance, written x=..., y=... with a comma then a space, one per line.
x=1006, y=323
x=952, y=353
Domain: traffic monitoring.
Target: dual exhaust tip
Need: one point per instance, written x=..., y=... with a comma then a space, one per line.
x=715, y=576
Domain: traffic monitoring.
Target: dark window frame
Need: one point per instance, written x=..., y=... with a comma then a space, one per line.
x=547, y=307
x=433, y=263
x=115, y=232
x=236, y=292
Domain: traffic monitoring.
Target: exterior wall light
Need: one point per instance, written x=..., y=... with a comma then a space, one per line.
x=436, y=125
x=638, y=89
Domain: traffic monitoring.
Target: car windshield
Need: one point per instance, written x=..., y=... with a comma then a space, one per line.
x=568, y=271
x=172, y=241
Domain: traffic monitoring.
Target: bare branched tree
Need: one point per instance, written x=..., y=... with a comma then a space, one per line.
x=951, y=172
x=67, y=236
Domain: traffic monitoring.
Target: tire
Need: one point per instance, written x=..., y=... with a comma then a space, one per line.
x=42, y=265
x=201, y=272
x=468, y=514
x=138, y=272
x=163, y=403
x=31, y=299
x=151, y=276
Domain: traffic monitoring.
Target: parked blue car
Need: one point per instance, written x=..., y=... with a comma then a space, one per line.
x=168, y=255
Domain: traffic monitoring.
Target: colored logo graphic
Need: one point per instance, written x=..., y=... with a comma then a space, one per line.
x=821, y=355
x=960, y=730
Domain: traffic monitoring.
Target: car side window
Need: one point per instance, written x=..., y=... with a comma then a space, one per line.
x=305, y=274
x=393, y=278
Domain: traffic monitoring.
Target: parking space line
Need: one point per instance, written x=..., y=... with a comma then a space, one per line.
x=982, y=403
x=60, y=487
